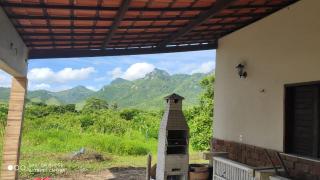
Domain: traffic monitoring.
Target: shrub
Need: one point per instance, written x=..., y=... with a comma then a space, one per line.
x=129, y=114
x=93, y=104
x=86, y=122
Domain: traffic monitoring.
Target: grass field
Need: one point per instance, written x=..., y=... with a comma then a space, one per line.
x=52, y=135
x=55, y=162
x=55, y=148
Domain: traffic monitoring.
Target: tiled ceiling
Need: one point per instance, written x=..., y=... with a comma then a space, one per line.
x=138, y=26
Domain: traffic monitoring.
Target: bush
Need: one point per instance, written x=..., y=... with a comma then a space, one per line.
x=109, y=122
x=86, y=122
x=94, y=104
x=3, y=115
x=129, y=114
x=120, y=145
x=200, y=132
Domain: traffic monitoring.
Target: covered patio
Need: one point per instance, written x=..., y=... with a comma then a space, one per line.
x=276, y=42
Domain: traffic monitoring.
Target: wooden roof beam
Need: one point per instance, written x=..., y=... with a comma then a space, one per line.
x=124, y=27
x=103, y=34
x=45, y=12
x=216, y=8
x=135, y=18
x=98, y=8
x=65, y=53
x=84, y=34
x=33, y=40
x=120, y=15
x=97, y=14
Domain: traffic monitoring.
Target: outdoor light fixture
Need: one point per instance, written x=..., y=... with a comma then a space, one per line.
x=241, y=72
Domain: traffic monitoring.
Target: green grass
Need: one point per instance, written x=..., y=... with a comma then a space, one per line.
x=70, y=167
x=55, y=160
x=2, y=130
x=53, y=147
x=52, y=134
x=68, y=141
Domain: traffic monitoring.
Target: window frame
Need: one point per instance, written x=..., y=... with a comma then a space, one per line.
x=288, y=126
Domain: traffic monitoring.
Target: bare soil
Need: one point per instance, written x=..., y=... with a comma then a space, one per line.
x=121, y=173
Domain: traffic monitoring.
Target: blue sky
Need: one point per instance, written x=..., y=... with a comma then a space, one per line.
x=95, y=72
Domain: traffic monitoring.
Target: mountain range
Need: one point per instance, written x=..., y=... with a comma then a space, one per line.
x=147, y=92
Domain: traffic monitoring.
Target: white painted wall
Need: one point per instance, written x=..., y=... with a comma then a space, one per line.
x=280, y=49
x=13, y=52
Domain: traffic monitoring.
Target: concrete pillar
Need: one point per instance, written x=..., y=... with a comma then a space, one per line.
x=13, y=60
x=13, y=51
x=12, y=137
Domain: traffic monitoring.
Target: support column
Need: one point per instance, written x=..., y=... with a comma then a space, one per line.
x=12, y=137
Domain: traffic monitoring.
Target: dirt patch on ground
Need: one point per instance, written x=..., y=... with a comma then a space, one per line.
x=86, y=155
x=123, y=173
x=129, y=173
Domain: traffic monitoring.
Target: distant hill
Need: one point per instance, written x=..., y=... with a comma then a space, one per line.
x=74, y=95
x=147, y=92
x=4, y=94
x=43, y=96
x=70, y=96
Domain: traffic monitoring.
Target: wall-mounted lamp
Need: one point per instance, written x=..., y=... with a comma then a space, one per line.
x=241, y=72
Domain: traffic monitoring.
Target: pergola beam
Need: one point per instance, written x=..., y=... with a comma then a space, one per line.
x=120, y=33
x=45, y=12
x=84, y=34
x=152, y=25
x=141, y=42
x=71, y=2
x=216, y=8
x=234, y=15
x=30, y=40
x=120, y=15
x=94, y=25
x=95, y=40
x=144, y=9
x=17, y=17
x=124, y=27
x=63, y=53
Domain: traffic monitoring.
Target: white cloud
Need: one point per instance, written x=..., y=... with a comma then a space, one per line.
x=40, y=86
x=69, y=74
x=204, y=67
x=116, y=72
x=41, y=74
x=5, y=79
x=62, y=76
x=92, y=88
x=135, y=71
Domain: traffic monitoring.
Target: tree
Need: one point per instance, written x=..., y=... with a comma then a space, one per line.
x=114, y=106
x=70, y=107
x=93, y=104
x=129, y=114
x=201, y=116
x=3, y=118
x=206, y=98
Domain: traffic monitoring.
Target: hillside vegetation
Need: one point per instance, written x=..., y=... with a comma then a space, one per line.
x=122, y=137
x=147, y=92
